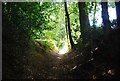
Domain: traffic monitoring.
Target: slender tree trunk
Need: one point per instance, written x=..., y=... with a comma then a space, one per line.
x=118, y=13
x=68, y=24
x=84, y=23
x=68, y=40
x=105, y=17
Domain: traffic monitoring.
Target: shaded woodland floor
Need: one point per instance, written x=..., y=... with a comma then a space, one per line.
x=100, y=63
x=53, y=66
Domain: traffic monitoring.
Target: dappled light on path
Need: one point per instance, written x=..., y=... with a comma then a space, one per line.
x=64, y=49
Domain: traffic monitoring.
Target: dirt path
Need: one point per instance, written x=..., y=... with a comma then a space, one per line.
x=57, y=69
x=50, y=65
x=46, y=66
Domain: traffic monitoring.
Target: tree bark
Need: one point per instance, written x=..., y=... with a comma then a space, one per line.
x=117, y=4
x=68, y=25
x=84, y=23
x=105, y=17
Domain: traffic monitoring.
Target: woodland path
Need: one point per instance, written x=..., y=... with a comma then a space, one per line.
x=52, y=66
x=56, y=68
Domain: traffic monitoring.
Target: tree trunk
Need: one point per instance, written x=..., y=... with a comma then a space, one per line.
x=105, y=17
x=84, y=23
x=117, y=4
x=68, y=24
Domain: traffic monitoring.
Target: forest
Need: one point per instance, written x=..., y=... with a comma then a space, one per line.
x=60, y=40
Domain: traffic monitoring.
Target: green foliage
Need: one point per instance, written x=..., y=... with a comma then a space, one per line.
x=48, y=44
x=90, y=7
x=111, y=4
x=74, y=19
